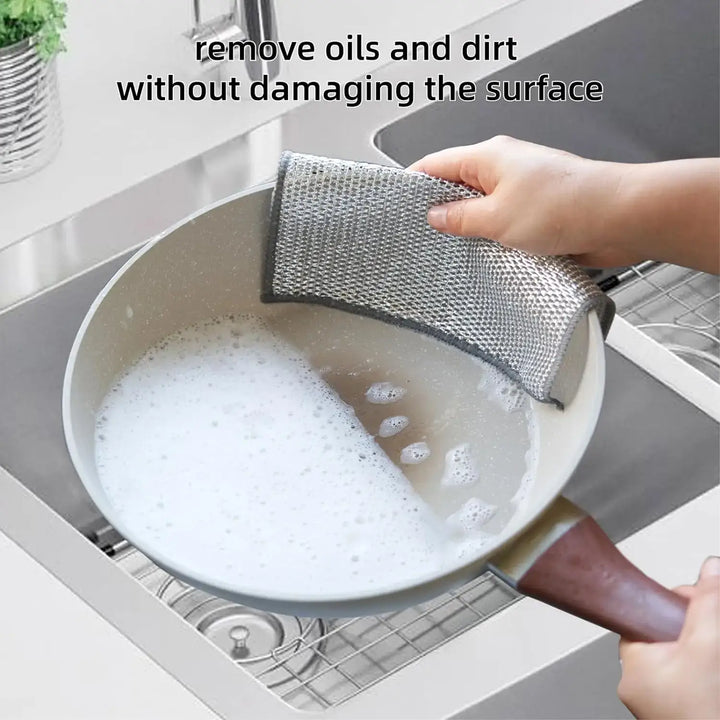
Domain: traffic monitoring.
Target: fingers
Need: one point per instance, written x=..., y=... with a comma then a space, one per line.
x=473, y=165
x=642, y=665
x=679, y=679
x=459, y=164
x=467, y=218
x=451, y=164
x=703, y=611
x=629, y=648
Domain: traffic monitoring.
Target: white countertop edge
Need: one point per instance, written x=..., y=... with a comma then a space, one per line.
x=664, y=365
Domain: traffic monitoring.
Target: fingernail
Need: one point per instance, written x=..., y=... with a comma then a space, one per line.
x=711, y=567
x=437, y=217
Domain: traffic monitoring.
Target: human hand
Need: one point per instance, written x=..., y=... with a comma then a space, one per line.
x=537, y=199
x=679, y=679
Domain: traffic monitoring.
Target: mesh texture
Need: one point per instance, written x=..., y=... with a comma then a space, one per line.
x=354, y=236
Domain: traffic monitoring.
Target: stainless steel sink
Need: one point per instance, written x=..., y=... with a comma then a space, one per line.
x=626, y=479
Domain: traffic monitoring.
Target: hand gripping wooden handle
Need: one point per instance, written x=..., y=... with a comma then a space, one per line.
x=582, y=572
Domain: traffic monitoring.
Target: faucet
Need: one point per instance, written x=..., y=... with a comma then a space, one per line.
x=246, y=19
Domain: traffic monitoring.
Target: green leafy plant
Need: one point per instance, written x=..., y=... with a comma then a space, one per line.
x=21, y=19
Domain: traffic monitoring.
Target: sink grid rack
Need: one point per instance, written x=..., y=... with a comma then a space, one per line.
x=327, y=662
x=676, y=306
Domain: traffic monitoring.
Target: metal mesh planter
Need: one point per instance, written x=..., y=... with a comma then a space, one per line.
x=30, y=118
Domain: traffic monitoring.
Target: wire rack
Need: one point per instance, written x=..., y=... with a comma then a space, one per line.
x=678, y=307
x=323, y=663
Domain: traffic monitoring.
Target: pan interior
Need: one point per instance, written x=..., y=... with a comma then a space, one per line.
x=210, y=267
x=175, y=459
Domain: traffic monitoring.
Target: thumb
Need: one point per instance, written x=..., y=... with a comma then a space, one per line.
x=710, y=570
x=467, y=218
x=704, y=609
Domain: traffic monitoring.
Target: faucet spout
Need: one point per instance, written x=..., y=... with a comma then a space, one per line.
x=258, y=19
x=253, y=19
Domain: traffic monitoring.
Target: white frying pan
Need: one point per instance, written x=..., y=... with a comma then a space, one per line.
x=210, y=265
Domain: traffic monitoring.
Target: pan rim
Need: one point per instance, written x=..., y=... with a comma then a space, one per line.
x=430, y=584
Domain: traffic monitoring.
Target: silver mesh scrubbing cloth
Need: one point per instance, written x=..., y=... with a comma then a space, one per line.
x=355, y=236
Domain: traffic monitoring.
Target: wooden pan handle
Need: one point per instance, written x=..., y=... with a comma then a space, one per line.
x=583, y=573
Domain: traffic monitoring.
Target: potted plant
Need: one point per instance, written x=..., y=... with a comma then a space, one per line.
x=30, y=120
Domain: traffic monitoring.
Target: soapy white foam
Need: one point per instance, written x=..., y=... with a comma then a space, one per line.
x=393, y=425
x=415, y=453
x=508, y=394
x=519, y=499
x=460, y=466
x=384, y=393
x=472, y=515
x=226, y=451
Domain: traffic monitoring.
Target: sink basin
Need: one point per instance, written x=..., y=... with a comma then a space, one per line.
x=661, y=99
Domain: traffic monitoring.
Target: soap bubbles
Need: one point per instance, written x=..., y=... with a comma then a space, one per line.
x=460, y=466
x=384, y=393
x=505, y=392
x=415, y=453
x=393, y=425
x=472, y=515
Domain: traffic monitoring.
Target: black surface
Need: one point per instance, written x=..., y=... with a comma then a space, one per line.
x=658, y=62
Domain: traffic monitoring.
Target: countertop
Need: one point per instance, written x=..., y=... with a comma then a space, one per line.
x=110, y=145
x=61, y=661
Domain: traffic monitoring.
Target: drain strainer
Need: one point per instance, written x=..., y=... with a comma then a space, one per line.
x=245, y=634
x=276, y=647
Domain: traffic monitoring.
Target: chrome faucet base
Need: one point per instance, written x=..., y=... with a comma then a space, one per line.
x=252, y=20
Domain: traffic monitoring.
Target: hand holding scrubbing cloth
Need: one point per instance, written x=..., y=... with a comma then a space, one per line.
x=355, y=236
